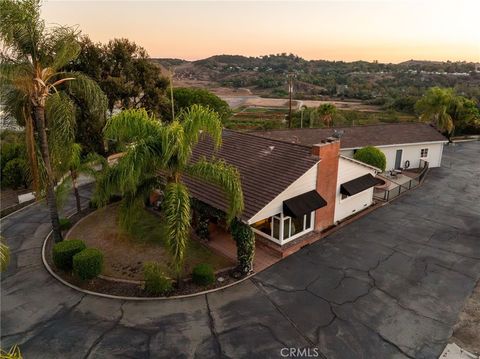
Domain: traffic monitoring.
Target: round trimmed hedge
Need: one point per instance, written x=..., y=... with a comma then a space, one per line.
x=64, y=251
x=203, y=274
x=88, y=263
x=371, y=156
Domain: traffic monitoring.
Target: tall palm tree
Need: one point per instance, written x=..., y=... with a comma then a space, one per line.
x=38, y=93
x=158, y=154
x=435, y=106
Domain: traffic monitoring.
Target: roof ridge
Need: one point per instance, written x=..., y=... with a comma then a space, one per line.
x=341, y=127
x=253, y=134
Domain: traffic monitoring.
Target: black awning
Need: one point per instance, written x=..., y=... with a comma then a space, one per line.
x=303, y=204
x=359, y=184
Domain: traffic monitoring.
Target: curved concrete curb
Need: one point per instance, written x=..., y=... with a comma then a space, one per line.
x=64, y=282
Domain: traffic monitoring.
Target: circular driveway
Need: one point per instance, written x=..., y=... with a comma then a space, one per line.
x=391, y=284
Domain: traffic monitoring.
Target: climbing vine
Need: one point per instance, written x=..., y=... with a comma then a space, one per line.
x=204, y=214
x=245, y=239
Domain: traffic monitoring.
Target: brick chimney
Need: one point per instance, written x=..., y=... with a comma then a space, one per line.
x=329, y=152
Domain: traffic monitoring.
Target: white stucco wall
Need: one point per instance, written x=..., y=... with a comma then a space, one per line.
x=347, y=171
x=305, y=183
x=411, y=152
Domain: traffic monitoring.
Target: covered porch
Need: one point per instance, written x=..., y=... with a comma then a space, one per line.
x=222, y=242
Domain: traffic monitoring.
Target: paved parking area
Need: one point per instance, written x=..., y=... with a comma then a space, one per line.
x=390, y=285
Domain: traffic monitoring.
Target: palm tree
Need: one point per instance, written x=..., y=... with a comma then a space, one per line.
x=158, y=154
x=326, y=112
x=435, y=106
x=74, y=166
x=38, y=93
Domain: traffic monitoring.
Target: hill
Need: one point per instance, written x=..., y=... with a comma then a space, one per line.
x=321, y=79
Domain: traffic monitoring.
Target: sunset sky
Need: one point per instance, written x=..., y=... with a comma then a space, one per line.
x=387, y=31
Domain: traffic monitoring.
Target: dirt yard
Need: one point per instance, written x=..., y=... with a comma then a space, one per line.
x=125, y=253
x=466, y=332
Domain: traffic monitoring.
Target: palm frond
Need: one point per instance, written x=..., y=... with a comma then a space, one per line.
x=87, y=92
x=64, y=44
x=132, y=125
x=175, y=151
x=223, y=175
x=134, y=202
x=60, y=119
x=176, y=205
x=123, y=178
x=4, y=255
x=21, y=28
x=198, y=121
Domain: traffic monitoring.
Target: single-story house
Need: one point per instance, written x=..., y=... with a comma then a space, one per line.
x=289, y=189
x=405, y=145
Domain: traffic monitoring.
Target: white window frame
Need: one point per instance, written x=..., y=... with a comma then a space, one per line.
x=424, y=153
x=282, y=218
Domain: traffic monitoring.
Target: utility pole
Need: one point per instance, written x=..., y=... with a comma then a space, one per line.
x=290, y=91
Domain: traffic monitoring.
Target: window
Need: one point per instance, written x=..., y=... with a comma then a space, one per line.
x=276, y=227
x=293, y=226
x=280, y=227
x=286, y=227
x=424, y=152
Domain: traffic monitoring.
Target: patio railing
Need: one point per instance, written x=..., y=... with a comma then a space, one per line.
x=389, y=194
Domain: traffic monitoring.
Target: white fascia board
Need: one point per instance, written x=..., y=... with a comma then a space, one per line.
x=286, y=189
x=376, y=169
x=397, y=145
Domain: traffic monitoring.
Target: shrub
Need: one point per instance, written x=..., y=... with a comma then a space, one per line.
x=155, y=280
x=15, y=173
x=88, y=263
x=202, y=229
x=371, y=156
x=92, y=204
x=245, y=239
x=65, y=224
x=203, y=274
x=64, y=251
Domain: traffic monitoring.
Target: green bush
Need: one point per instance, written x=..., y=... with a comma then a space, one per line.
x=202, y=229
x=372, y=156
x=88, y=263
x=15, y=173
x=64, y=251
x=155, y=280
x=65, y=224
x=203, y=274
x=245, y=239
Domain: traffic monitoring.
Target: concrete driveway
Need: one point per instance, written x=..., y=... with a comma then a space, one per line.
x=389, y=285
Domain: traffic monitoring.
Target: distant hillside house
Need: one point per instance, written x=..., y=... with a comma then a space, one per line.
x=405, y=145
x=290, y=190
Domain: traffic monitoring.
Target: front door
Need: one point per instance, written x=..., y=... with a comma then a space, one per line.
x=398, y=159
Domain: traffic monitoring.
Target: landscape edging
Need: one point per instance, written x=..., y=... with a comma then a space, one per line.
x=111, y=296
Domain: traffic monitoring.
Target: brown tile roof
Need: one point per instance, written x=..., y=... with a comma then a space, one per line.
x=267, y=167
x=361, y=136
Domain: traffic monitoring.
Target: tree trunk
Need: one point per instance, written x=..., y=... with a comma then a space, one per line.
x=39, y=115
x=73, y=175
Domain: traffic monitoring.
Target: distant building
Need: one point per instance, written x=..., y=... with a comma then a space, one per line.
x=405, y=145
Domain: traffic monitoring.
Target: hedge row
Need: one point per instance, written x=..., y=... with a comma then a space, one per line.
x=86, y=263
